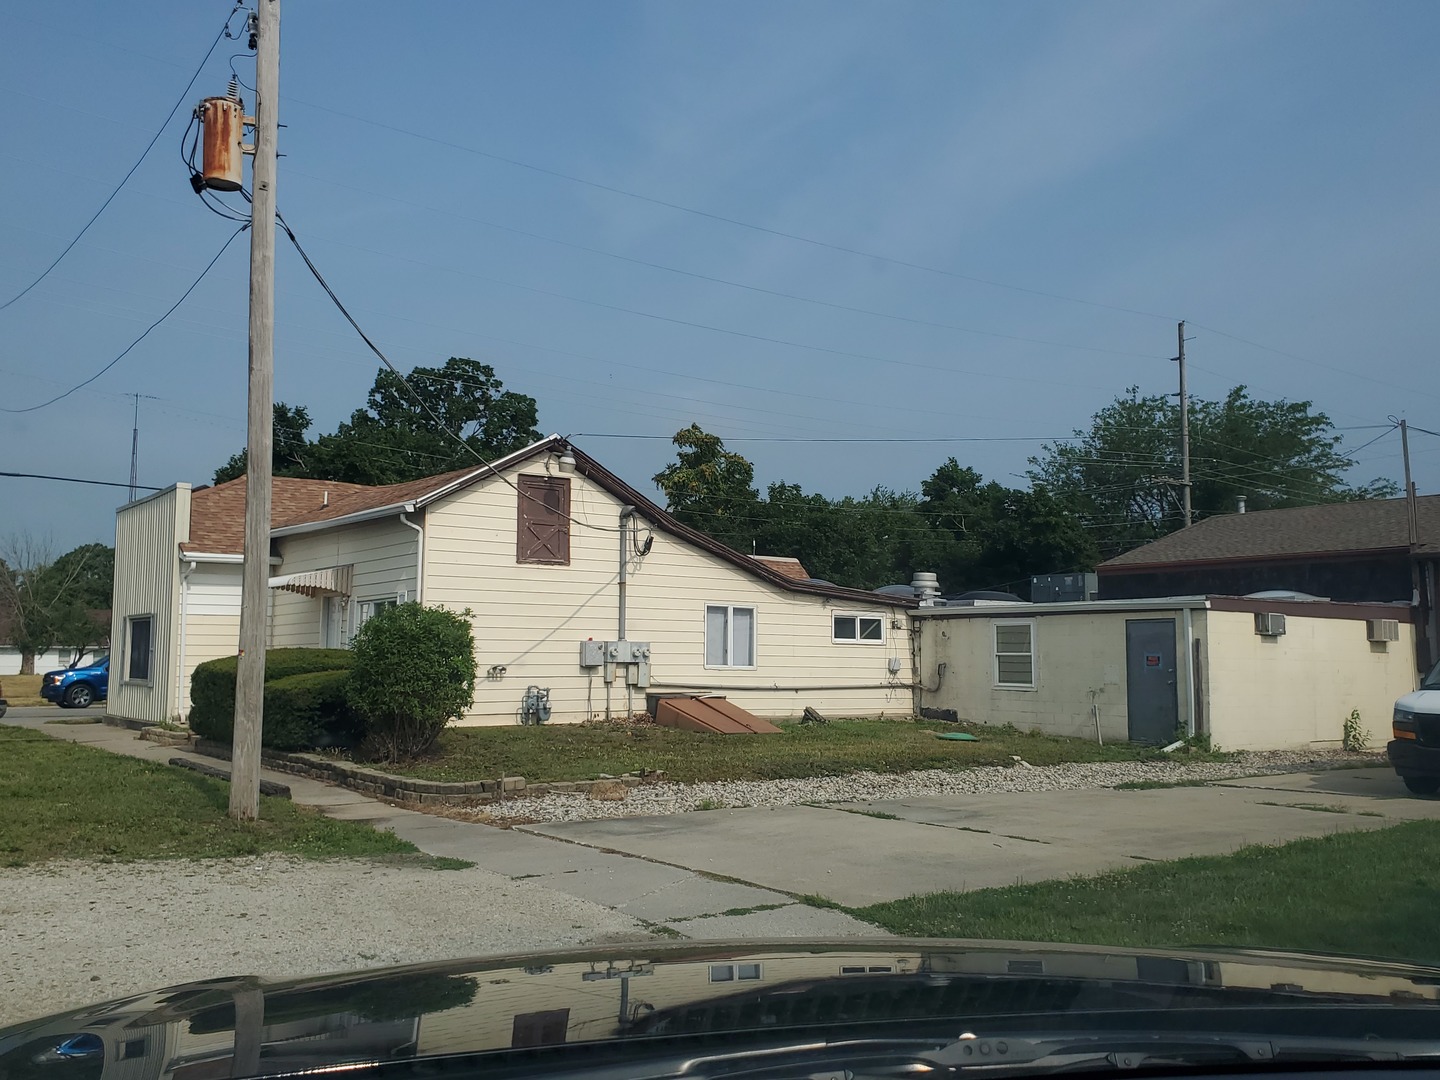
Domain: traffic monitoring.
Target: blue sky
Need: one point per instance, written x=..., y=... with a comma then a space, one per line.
x=1265, y=171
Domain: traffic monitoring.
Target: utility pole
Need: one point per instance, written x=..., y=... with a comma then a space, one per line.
x=1419, y=598
x=1184, y=432
x=255, y=585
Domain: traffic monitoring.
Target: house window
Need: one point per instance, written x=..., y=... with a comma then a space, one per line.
x=729, y=636
x=64, y=656
x=139, y=646
x=734, y=973
x=865, y=629
x=543, y=520
x=540, y=1028
x=1015, y=654
x=370, y=608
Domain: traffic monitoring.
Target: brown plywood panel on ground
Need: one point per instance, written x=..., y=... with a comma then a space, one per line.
x=747, y=720
x=715, y=716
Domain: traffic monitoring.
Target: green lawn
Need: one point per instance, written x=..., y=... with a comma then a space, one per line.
x=584, y=751
x=59, y=800
x=1364, y=893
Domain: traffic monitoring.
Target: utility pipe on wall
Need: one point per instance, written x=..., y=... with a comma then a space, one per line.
x=625, y=514
x=419, y=548
x=183, y=693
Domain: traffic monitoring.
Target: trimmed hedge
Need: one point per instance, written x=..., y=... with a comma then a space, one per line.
x=304, y=705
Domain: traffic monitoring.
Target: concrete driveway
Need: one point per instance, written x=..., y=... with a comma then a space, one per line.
x=863, y=853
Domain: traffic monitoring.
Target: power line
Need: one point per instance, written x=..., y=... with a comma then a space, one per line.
x=440, y=424
x=77, y=480
x=800, y=439
x=725, y=219
x=145, y=333
x=184, y=94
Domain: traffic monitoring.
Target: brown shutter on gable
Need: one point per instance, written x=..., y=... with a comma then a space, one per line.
x=543, y=520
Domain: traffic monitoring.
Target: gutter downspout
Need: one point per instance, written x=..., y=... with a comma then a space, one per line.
x=183, y=694
x=419, y=550
x=1189, y=625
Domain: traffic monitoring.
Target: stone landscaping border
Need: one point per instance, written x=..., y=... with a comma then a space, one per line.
x=408, y=789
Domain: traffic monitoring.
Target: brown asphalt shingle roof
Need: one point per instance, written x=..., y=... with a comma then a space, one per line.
x=217, y=514
x=788, y=565
x=1331, y=529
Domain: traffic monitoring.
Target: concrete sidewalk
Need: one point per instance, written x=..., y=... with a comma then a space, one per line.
x=687, y=901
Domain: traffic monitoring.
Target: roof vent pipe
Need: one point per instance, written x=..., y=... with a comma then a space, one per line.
x=1239, y=504
x=926, y=585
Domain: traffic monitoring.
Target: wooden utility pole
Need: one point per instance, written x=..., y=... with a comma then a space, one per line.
x=1184, y=432
x=255, y=586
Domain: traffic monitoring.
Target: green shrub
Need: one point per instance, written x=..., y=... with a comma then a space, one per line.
x=307, y=711
x=414, y=671
x=212, y=698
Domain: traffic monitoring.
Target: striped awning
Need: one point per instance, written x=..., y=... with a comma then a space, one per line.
x=331, y=581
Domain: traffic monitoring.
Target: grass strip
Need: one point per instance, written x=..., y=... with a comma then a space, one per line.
x=63, y=801
x=1367, y=893
x=565, y=752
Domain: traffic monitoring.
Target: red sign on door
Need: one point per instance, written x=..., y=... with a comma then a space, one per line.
x=1152, y=659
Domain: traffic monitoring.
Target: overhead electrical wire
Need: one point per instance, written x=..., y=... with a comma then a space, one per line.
x=340, y=306
x=79, y=480
x=143, y=334
x=184, y=95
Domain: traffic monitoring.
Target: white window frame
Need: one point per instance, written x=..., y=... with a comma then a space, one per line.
x=995, y=655
x=730, y=610
x=365, y=610
x=728, y=973
x=130, y=621
x=857, y=616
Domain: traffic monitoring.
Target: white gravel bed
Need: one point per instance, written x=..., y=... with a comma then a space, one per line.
x=74, y=934
x=676, y=798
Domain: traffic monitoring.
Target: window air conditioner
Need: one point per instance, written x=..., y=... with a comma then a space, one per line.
x=1382, y=629
x=1269, y=623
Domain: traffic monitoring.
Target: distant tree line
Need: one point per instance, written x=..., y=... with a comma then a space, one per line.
x=1115, y=485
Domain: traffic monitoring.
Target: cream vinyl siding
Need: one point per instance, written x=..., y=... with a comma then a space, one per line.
x=210, y=607
x=531, y=618
x=147, y=582
x=382, y=552
x=1296, y=690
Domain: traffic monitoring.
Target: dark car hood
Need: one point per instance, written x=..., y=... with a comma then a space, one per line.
x=250, y=1026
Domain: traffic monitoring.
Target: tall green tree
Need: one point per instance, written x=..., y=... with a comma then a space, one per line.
x=49, y=602
x=400, y=435
x=711, y=489
x=1121, y=474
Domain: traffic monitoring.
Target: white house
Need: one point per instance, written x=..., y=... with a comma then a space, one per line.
x=553, y=556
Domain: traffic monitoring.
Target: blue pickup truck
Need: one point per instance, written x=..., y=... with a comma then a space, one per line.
x=78, y=687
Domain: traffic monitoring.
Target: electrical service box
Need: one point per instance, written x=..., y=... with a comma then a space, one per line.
x=592, y=654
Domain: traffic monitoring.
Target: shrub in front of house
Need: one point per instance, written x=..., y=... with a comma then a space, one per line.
x=305, y=701
x=413, y=672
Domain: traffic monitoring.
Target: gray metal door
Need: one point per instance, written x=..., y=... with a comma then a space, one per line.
x=1153, y=704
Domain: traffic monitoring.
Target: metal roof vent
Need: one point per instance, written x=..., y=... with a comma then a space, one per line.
x=926, y=586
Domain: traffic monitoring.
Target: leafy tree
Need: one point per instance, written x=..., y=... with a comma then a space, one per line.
x=1121, y=474
x=51, y=601
x=414, y=672
x=711, y=489
x=401, y=435
x=973, y=533
x=288, y=446
x=986, y=535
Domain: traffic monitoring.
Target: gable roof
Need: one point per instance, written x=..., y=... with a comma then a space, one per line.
x=217, y=515
x=1369, y=526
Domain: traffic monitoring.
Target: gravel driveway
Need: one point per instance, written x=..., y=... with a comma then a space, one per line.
x=77, y=933
x=671, y=798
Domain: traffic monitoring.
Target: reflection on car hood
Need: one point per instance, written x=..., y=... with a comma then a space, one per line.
x=251, y=1026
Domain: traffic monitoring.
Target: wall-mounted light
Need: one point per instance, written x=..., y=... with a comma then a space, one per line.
x=567, y=462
